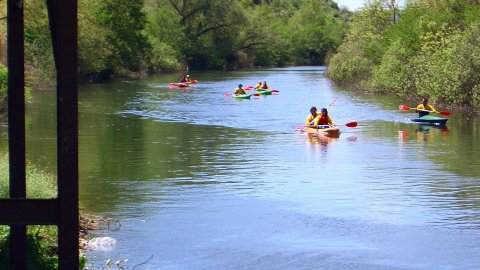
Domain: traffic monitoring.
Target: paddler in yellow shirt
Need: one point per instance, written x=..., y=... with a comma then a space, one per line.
x=259, y=85
x=424, y=106
x=311, y=117
x=239, y=90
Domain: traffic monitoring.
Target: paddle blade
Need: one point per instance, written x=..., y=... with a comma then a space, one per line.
x=227, y=94
x=445, y=113
x=256, y=94
x=403, y=107
x=275, y=91
x=351, y=124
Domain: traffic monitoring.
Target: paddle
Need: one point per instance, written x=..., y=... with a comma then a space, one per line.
x=227, y=94
x=349, y=124
x=331, y=103
x=406, y=108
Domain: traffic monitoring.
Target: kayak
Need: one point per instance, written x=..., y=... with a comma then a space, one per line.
x=178, y=84
x=330, y=131
x=431, y=120
x=264, y=92
x=242, y=96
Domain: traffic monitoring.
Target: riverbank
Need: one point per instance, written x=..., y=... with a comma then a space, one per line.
x=42, y=240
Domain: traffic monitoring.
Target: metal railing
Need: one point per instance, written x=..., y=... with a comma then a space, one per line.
x=18, y=211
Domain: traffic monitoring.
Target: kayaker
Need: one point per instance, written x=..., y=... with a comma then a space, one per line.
x=187, y=79
x=239, y=90
x=183, y=79
x=424, y=106
x=323, y=119
x=264, y=86
x=311, y=117
x=259, y=85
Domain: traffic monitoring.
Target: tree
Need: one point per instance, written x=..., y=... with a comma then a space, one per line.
x=125, y=21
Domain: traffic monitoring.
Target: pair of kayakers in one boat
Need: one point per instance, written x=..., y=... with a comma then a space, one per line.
x=262, y=86
x=239, y=90
x=424, y=106
x=317, y=120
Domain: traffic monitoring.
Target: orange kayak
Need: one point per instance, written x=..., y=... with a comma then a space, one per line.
x=330, y=131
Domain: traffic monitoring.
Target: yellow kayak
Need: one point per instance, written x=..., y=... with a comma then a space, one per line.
x=329, y=131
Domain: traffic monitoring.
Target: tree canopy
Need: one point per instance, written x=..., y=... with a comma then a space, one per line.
x=120, y=37
x=428, y=48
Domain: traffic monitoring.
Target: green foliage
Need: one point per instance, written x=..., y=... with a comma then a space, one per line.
x=39, y=183
x=41, y=239
x=40, y=68
x=392, y=74
x=3, y=83
x=348, y=68
x=314, y=31
x=432, y=50
x=230, y=34
x=363, y=46
x=93, y=48
x=124, y=22
x=41, y=247
x=119, y=37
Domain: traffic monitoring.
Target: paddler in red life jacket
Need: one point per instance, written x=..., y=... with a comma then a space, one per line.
x=323, y=120
x=183, y=79
x=311, y=117
x=264, y=86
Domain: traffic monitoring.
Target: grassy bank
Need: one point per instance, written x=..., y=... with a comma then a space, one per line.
x=42, y=240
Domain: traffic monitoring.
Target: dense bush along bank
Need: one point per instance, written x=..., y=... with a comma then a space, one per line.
x=427, y=48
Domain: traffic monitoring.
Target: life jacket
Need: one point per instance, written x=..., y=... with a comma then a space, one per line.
x=239, y=91
x=323, y=120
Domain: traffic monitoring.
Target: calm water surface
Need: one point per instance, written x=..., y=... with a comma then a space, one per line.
x=199, y=180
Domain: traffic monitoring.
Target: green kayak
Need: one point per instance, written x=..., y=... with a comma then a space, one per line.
x=242, y=96
x=431, y=120
x=264, y=92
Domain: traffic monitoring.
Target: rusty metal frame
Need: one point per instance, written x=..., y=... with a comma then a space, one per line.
x=18, y=211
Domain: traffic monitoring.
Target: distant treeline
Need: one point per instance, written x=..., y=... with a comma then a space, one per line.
x=426, y=48
x=128, y=37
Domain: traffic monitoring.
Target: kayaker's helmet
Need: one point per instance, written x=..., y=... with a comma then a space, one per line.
x=188, y=75
x=240, y=85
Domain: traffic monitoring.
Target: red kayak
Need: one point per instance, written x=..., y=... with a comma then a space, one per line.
x=178, y=84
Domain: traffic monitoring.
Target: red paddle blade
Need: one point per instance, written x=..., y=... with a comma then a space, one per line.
x=351, y=124
x=275, y=91
x=403, y=107
x=256, y=94
x=227, y=94
x=445, y=113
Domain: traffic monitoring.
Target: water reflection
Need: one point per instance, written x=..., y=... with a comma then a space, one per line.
x=208, y=174
x=320, y=140
x=424, y=133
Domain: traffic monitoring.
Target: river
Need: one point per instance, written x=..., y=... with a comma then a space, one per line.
x=199, y=180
